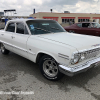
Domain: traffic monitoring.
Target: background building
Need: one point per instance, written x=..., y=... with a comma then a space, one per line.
x=65, y=18
x=1, y=13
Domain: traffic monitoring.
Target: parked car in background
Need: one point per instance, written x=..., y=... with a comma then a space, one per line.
x=88, y=28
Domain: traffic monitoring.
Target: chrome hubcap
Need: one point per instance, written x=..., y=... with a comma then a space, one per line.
x=2, y=48
x=50, y=68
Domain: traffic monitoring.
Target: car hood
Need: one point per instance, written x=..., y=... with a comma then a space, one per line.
x=77, y=41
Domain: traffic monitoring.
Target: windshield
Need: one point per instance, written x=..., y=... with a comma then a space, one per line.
x=95, y=25
x=44, y=26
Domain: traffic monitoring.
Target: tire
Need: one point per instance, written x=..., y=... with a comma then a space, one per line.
x=3, y=49
x=49, y=68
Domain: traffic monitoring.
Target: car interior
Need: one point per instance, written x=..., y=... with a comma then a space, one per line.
x=85, y=25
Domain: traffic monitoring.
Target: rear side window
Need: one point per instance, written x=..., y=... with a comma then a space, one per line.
x=79, y=25
x=20, y=28
x=11, y=27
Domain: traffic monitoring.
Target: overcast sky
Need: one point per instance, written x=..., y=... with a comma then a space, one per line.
x=25, y=7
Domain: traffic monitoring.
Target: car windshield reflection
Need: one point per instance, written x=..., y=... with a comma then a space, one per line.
x=44, y=27
x=94, y=25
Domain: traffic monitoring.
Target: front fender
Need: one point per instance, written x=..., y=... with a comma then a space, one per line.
x=46, y=53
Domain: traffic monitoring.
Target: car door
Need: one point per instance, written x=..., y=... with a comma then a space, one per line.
x=97, y=31
x=87, y=30
x=78, y=28
x=96, y=27
x=6, y=36
x=20, y=39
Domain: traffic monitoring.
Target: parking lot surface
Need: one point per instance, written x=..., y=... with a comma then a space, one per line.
x=19, y=74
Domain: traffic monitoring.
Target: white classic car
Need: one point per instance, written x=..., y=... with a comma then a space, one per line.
x=47, y=43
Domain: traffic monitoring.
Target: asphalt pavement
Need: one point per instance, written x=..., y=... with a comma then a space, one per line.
x=19, y=76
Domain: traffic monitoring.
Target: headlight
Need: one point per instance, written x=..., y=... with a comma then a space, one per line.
x=78, y=57
x=82, y=56
x=75, y=59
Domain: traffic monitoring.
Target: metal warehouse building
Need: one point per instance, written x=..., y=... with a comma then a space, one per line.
x=64, y=18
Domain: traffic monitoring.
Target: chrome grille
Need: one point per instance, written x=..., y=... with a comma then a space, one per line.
x=92, y=53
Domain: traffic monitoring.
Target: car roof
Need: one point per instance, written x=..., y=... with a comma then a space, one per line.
x=85, y=22
x=24, y=20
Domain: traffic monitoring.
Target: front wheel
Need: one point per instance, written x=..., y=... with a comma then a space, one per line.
x=49, y=68
x=4, y=50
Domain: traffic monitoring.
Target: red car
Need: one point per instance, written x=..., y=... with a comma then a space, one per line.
x=88, y=28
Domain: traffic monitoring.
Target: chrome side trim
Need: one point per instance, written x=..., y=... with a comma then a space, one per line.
x=14, y=46
x=63, y=56
x=70, y=71
x=18, y=48
x=5, y=43
x=31, y=52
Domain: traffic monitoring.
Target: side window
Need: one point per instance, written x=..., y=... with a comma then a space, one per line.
x=20, y=28
x=11, y=27
x=85, y=25
x=79, y=25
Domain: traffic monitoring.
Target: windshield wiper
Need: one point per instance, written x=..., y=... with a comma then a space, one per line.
x=43, y=29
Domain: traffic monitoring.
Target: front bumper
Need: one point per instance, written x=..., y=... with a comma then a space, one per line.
x=71, y=71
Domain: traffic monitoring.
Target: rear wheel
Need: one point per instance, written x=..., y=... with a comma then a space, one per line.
x=4, y=50
x=49, y=68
